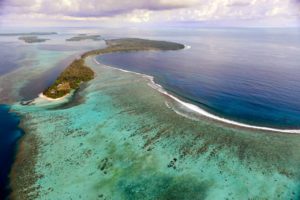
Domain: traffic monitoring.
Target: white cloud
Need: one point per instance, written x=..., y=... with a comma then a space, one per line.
x=149, y=11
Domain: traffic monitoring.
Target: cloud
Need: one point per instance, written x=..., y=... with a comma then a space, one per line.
x=148, y=11
x=1, y=6
x=239, y=4
x=92, y=8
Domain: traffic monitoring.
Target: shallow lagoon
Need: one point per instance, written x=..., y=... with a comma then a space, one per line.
x=25, y=71
x=123, y=142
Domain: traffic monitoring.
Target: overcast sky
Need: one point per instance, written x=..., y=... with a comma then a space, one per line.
x=279, y=13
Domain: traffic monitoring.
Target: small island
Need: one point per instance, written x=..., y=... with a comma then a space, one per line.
x=32, y=39
x=69, y=79
x=77, y=72
x=81, y=37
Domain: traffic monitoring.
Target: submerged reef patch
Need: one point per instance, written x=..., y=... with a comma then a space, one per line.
x=162, y=187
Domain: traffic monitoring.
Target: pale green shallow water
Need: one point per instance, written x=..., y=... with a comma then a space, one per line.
x=35, y=64
x=123, y=142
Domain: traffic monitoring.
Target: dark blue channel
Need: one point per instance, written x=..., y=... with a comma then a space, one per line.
x=10, y=133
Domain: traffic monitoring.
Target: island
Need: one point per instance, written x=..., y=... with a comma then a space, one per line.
x=77, y=72
x=32, y=39
x=81, y=37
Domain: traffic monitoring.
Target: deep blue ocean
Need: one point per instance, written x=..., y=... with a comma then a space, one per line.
x=9, y=135
x=249, y=76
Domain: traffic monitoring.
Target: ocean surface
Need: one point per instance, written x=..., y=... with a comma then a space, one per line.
x=109, y=141
x=249, y=76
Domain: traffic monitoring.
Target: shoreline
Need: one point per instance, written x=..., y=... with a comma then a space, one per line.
x=201, y=111
x=77, y=73
x=42, y=96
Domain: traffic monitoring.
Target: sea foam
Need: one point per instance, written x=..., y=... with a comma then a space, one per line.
x=196, y=109
x=186, y=47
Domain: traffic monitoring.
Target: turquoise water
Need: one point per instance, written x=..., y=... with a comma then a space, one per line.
x=25, y=71
x=119, y=138
x=123, y=142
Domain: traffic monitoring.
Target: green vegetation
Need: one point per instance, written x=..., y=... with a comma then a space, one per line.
x=32, y=39
x=141, y=44
x=77, y=72
x=134, y=44
x=84, y=37
x=69, y=79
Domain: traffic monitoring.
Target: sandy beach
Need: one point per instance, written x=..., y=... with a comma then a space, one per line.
x=42, y=96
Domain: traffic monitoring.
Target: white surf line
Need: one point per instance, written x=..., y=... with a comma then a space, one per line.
x=201, y=111
x=186, y=47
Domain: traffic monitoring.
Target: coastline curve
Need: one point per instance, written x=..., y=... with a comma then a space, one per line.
x=201, y=111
